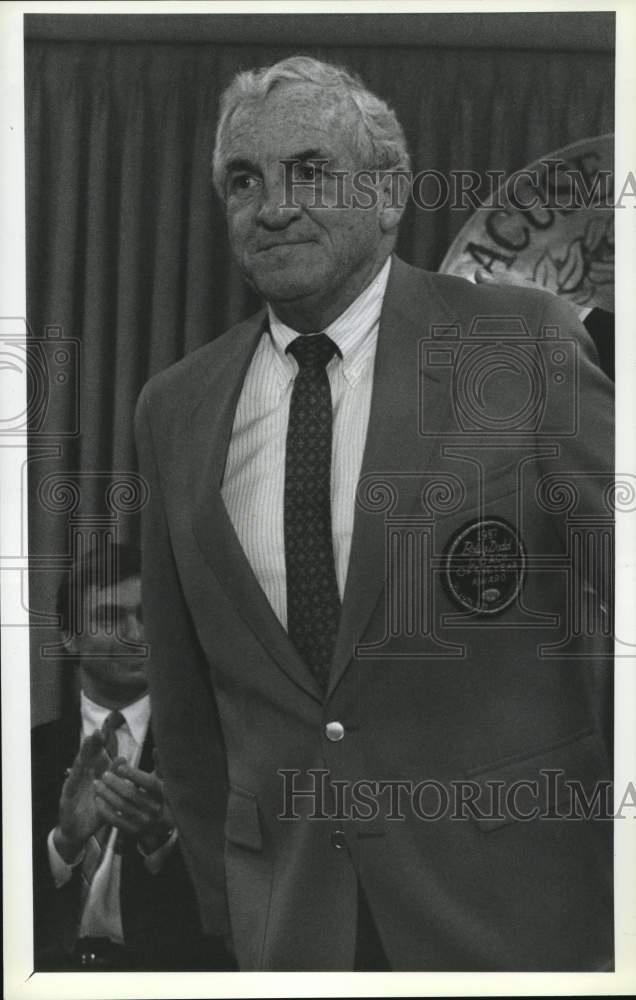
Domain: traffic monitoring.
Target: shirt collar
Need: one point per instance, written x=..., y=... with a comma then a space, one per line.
x=354, y=332
x=137, y=716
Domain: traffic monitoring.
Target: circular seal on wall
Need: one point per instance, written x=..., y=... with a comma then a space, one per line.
x=550, y=225
x=485, y=566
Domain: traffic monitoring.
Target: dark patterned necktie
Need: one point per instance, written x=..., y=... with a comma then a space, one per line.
x=313, y=602
x=111, y=724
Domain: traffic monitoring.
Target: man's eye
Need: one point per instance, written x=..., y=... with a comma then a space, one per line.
x=308, y=171
x=239, y=183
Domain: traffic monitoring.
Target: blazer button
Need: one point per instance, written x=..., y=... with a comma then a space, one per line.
x=338, y=839
x=334, y=731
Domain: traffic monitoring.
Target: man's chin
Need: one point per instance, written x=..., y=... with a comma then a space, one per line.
x=136, y=679
x=127, y=693
x=287, y=283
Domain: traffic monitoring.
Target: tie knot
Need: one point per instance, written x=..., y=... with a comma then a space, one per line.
x=112, y=722
x=313, y=350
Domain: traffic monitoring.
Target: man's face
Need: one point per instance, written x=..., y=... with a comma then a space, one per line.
x=296, y=252
x=112, y=617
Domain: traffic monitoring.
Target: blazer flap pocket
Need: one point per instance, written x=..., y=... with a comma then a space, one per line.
x=242, y=823
x=540, y=783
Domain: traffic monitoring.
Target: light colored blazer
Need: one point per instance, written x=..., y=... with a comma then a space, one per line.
x=460, y=440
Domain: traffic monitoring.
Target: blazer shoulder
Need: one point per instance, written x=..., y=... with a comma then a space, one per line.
x=497, y=299
x=184, y=378
x=59, y=738
x=54, y=746
x=470, y=302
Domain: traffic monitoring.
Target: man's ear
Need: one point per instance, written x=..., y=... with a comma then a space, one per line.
x=393, y=189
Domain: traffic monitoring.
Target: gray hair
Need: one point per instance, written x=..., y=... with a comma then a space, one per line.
x=379, y=139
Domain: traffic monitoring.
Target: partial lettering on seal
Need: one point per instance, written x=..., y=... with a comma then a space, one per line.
x=485, y=565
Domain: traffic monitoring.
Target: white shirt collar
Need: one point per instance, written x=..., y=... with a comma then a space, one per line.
x=137, y=716
x=354, y=332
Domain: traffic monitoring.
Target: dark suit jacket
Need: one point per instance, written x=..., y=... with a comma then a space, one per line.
x=600, y=325
x=160, y=918
x=424, y=687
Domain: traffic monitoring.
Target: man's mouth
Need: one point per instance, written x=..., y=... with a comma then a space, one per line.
x=281, y=245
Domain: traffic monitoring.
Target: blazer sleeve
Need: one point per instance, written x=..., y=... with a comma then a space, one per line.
x=579, y=412
x=160, y=916
x=185, y=719
x=55, y=911
x=577, y=486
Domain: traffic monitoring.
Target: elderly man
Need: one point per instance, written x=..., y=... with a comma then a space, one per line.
x=111, y=891
x=360, y=575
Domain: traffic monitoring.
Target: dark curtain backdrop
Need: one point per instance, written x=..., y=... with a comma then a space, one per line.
x=126, y=245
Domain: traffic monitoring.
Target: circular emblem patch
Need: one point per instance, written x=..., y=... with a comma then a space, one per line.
x=485, y=566
x=568, y=252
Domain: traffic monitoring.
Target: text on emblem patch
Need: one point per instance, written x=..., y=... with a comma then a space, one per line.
x=485, y=565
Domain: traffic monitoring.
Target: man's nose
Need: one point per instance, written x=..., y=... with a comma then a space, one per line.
x=278, y=207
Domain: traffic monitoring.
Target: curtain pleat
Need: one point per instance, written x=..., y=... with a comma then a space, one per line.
x=126, y=244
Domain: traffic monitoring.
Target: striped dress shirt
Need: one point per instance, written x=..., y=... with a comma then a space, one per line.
x=254, y=479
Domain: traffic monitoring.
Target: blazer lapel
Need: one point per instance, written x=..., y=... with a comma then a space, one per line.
x=394, y=444
x=211, y=429
x=146, y=760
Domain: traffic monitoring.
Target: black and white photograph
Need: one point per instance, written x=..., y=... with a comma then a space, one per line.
x=318, y=500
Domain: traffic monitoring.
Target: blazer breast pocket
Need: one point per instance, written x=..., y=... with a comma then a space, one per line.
x=491, y=484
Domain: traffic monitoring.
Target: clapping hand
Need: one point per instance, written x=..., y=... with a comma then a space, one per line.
x=79, y=816
x=133, y=801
